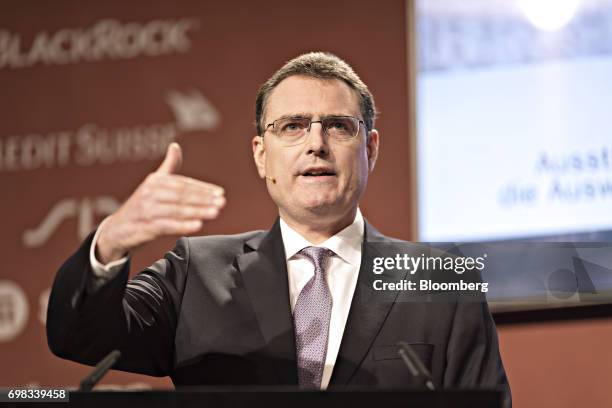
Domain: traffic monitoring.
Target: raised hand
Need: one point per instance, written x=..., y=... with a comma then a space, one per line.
x=165, y=203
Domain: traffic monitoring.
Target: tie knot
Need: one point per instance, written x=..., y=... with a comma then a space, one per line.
x=317, y=255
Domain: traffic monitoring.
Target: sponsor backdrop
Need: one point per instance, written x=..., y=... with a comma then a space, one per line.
x=91, y=95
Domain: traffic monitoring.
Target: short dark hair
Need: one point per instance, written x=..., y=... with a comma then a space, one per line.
x=321, y=65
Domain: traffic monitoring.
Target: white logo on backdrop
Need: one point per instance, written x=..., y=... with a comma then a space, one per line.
x=14, y=310
x=192, y=111
x=92, y=144
x=85, y=210
x=104, y=40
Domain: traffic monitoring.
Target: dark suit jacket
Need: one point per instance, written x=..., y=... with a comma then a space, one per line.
x=215, y=310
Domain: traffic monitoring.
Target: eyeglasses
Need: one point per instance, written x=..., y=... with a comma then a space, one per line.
x=293, y=130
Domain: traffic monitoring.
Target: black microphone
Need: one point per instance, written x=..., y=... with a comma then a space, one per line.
x=100, y=370
x=416, y=367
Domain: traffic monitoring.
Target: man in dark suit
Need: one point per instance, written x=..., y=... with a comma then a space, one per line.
x=292, y=305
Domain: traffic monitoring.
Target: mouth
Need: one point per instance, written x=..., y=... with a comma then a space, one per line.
x=315, y=172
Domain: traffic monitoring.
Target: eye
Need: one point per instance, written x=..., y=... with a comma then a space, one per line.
x=293, y=125
x=341, y=126
x=338, y=124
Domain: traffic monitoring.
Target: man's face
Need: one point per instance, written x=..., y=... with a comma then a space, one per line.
x=320, y=178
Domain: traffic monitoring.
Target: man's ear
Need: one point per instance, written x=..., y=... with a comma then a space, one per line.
x=372, y=148
x=259, y=155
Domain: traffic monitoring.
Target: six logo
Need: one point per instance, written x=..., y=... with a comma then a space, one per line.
x=85, y=210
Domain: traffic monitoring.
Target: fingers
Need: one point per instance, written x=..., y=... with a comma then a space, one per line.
x=165, y=203
x=182, y=212
x=215, y=189
x=183, y=190
x=173, y=160
x=188, y=197
x=169, y=226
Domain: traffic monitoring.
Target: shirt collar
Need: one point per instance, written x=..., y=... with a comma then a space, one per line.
x=346, y=243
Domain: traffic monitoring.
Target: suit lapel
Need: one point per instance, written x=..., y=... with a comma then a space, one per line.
x=369, y=309
x=264, y=272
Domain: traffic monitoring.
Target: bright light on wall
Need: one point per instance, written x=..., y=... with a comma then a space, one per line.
x=549, y=14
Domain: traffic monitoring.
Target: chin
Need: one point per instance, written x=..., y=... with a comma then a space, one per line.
x=321, y=206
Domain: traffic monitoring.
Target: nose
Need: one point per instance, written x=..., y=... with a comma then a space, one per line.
x=316, y=140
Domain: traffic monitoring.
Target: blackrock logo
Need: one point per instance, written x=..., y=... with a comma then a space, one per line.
x=92, y=144
x=14, y=310
x=105, y=40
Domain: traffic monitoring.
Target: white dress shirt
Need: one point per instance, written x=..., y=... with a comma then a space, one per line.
x=103, y=272
x=342, y=271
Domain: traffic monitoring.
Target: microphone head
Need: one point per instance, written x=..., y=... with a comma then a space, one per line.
x=272, y=179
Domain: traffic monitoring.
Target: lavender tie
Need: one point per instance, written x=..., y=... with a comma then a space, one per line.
x=311, y=318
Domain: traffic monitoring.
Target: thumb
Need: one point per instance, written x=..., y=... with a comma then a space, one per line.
x=173, y=160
